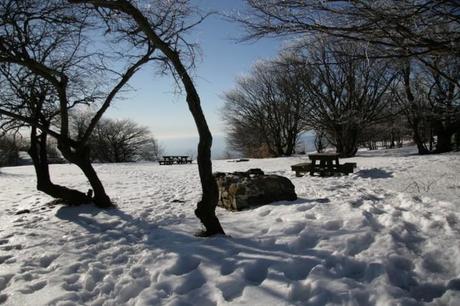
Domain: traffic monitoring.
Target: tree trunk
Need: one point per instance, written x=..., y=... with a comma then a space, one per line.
x=205, y=210
x=38, y=153
x=413, y=114
x=291, y=142
x=101, y=199
x=457, y=141
x=421, y=146
x=346, y=142
x=444, y=143
x=81, y=158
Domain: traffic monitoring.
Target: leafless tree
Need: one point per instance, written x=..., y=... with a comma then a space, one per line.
x=115, y=141
x=50, y=40
x=430, y=102
x=346, y=94
x=29, y=96
x=163, y=25
x=264, y=112
x=320, y=141
x=9, y=150
x=394, y=28
x=444, y=100
x=151, y=150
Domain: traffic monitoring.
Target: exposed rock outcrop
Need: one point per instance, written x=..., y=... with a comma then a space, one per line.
x=240, y=190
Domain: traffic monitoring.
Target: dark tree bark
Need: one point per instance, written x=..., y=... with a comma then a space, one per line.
x=413, y=112
x=39, y=154
x=346, y=141
x=81, y=158
x=444, y=139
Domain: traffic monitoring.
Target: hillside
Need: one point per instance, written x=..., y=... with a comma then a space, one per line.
x=387, y=234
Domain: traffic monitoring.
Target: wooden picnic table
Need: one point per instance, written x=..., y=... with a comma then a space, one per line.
x=175, y=159
x=328, y=163
x=324, y=164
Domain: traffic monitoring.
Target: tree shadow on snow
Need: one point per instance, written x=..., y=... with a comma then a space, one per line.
x=299, y=202
x=374, y=173
x=245, y=263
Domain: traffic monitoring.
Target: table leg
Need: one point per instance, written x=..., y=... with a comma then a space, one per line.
x=312, y=169
x=329, y=167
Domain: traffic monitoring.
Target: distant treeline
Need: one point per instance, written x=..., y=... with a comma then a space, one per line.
x=362, y=72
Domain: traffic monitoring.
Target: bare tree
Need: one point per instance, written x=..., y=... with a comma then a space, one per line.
x=430, y=102
x=9, y=150
x=30, y=96
x=115, y=141
x=50, y=40
x=320, y=141
x=264, y=112
x=151, y=150
x=393, y=27
x=163, y=24
x=346, y=93
x=444, y=100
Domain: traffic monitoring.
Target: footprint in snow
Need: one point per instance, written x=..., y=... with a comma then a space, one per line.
x=29, y=289
x=5, y=280
x=5, y=258
x=11, y=247
x=306, y=240
x=358, y=244
x=299, y=268
x=231, y=289
x=228, y=267
x=46, y=260
x=191, y=281
x=256, y=272
x=3, y=298
x=295, y=229
x=184, y=265
x=431, y=264
x=300, y=291
x=453, y=222
x=305, y=207
x=264, y=213
x=333, y=225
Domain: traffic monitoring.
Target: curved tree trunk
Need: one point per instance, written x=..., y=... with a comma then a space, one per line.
x=81, y=158
x=205, y=210
x=38, y=153
x=417, y=138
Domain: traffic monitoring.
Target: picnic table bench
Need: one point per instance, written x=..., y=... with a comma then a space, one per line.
x=328, y=164
x=175, y=159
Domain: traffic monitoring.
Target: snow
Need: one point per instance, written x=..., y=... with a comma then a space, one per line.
x=386, y=235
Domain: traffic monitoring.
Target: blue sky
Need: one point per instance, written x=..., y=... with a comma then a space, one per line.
x=154, y=104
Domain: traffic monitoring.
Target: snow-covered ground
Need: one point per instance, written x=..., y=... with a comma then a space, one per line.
x=389, y=234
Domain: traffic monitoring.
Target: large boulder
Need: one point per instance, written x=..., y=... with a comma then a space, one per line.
x=240, y=190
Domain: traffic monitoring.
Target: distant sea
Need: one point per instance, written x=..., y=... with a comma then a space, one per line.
x=188, y=145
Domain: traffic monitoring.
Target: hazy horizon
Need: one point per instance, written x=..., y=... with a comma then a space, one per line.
x=188, y=145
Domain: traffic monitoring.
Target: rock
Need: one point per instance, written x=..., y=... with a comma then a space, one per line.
x=240, y=190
